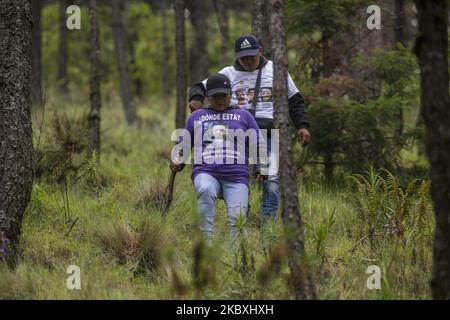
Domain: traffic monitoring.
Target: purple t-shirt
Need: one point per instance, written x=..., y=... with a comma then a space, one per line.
x=220, y=152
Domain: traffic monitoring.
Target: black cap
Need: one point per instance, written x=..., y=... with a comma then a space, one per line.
x=247, y=45
x=218, y=83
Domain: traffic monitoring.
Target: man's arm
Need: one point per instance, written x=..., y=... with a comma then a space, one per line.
x=197, y=95
x=298, y=115
x=297, y=111
x=197, y=92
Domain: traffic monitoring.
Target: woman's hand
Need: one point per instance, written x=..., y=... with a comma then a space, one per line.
x=176, y=167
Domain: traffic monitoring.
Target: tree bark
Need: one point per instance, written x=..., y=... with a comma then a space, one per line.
x=198, y=57
x=36, y=54
x=329, y=166
x=95, y=92
x=400, y=22
x=300, y=277
x=399, y=37
x=327, y=58
x=180, y=43
x=16, y=147
x=166, y=56
x=260, y=25
x=62, y=54
x=431, y=49
x=120, y=43
x=132, y=36
x=221, y=8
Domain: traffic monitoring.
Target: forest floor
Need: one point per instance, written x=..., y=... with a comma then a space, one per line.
x=108, y=224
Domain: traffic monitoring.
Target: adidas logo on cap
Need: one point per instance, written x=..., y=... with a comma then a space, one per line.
x=245, y=44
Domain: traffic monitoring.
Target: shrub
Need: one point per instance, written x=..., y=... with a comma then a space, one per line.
x=353, y=135
x=151, y=194
x=385, y=208
x=68, y=136
x=141, y=248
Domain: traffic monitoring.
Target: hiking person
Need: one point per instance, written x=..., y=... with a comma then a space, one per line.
x=251, y=79
x=219, y=169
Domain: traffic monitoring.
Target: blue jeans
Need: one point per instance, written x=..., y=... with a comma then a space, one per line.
x=271, y=190
x=208, y=190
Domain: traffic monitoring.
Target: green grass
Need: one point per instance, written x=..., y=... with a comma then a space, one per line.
x=94, y=232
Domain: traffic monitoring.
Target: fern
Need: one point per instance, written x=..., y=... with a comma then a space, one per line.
x=385, y=208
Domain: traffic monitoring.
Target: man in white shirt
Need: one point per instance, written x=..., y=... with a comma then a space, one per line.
x=250, y=65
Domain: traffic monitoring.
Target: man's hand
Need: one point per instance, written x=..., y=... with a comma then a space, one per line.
x=260, y=178
x=304, y=136
x=195, y=104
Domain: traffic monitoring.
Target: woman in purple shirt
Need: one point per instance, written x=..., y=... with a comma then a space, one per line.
x=225, y=140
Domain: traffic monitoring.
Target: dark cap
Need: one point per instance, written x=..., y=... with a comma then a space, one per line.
x=218, y=83
x=247, y=45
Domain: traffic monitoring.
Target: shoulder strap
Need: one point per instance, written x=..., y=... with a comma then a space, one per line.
x=256, y=94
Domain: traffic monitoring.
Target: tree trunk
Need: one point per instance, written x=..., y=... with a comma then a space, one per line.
x=327, y=66
x=431, y=49
x=180, y=43
x=166, y=56
x=221, y=8
x=16, y=146
x=400, y=22
x=120, y=43
x=199, y=60
x=135, y=74
x=36, y=54
x=132, y=36
x=300, y=278
x=95, y=93
x=62, y=54
x=329, y=167
x=260, y=25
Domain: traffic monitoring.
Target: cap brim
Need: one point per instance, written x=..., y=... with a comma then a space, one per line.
x=245, y=53
x=218, y=90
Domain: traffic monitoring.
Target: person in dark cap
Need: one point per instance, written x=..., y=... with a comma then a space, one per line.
x=251, y=78
x=222, y=157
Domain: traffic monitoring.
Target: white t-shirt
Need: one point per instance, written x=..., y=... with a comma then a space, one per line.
x=243, y=87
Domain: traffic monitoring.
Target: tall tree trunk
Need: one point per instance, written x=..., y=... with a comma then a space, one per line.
x=221, y=8
x=180, y=43
x=120, y=43
x=198, y=57
x=62, y=54
x=431, y=49
x=136, y=76
x=400, y=22
x=166, y=56
x=95, y=93
x=329, y=166
x=260, y=25
x=16, y=147
x=36, y=54
x=399, y=37
x=327, y=59
x=300, y=277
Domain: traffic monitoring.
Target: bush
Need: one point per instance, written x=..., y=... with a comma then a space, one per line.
x=140, y=248
x=151, y=194
x=353, y=135
x=36, y=207
x=385, y=208
x=64, y=151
